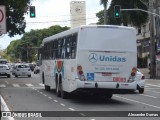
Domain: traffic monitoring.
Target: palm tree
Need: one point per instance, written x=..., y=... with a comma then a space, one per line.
x=104, y=3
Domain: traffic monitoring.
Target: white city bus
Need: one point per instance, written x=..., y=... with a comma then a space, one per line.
x=98, y=59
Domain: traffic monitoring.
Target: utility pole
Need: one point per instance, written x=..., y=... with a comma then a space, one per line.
x=152, y=43
x=157, y=3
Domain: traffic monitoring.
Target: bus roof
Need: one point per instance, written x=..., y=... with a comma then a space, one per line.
x=74, y=30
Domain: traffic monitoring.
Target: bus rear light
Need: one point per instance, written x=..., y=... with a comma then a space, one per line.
x=133, y=74
x=80, y=72
x=134, y=71
x=143, y=77
x=79, y=68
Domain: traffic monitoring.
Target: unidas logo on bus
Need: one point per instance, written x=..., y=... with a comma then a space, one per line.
x=93, y=58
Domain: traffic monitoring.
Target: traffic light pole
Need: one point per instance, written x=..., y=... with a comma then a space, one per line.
x=152, y=39
x=140, y=10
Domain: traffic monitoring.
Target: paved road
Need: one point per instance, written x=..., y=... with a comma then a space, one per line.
x=28, y=94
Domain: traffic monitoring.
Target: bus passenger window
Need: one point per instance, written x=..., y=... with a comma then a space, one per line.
x=63, y=48
x=67, y=54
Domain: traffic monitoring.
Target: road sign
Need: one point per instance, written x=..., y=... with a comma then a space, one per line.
x=2, y=19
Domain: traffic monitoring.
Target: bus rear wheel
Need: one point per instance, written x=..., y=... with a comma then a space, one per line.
x=58, y=93
x=109, y=96
x=64, y=94
x=47, y=88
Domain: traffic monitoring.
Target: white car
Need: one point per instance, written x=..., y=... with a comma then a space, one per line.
x=140, y=82
x=22, y=70
x=5, y=70
x=36, y=69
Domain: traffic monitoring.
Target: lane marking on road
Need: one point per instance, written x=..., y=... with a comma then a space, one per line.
x=92, y=119
x=147, y=90
x=137, y=101
x=6, y=82
x=29, y=85
x=49, y=97
x=41, y=92
x=44, y=94
x=148, y=95
x=71, y=109
x=15, y=85
x=153, y=88
x=55, y=101
x=153, y=85
x=82, y=114
x=41, y=84
x=146, y=86
x=2, y=85
x=62, y=104
x=155, y=91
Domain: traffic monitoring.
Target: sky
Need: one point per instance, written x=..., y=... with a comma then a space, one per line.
x=53, y=12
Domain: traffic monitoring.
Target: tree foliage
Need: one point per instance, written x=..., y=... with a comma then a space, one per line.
x=104, y=3
x=15, y=10
x=136, y=18
x=25, y=48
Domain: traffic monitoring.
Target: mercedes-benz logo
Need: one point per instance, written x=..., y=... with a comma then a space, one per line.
x=93, y=57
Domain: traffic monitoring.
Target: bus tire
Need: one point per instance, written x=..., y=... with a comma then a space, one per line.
x=47, y=88
x=141, y=90
x=8, y=76
x=58, y=93
x=64, y=94
x=109, y=96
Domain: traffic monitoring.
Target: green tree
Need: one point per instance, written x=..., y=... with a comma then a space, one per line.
x=26, y=47
x=104, y=3
x=15, y=10
x=136, y=18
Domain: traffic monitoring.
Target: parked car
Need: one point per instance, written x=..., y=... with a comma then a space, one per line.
x=5, y=70
x=36, y=69
x=22, y=70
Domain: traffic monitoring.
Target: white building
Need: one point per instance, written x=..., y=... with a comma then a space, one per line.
x=77, y=13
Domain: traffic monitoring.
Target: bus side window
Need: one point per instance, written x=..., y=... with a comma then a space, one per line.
x=59, y=47
x=67, y=54
x=74, y=46
x=54, y=49
x=63, y=55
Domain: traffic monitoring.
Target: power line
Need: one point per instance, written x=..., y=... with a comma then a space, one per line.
x=74, y=20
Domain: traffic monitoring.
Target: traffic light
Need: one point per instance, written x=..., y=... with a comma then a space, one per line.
x=117, y=9
x=32, y=12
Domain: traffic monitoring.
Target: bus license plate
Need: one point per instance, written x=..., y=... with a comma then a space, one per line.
x=119, y=79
